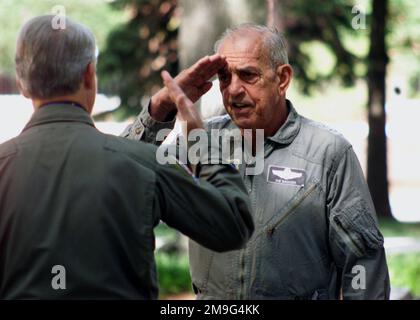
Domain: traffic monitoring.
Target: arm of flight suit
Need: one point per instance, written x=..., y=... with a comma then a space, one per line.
x=213, y=208
x=145, y=128
x=355, y=240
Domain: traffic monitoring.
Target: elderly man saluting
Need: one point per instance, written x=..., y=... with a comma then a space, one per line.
x=316, y=232
x=78, y=207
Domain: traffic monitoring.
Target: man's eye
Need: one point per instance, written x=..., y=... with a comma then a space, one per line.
x=223, y=76
x=248, y=76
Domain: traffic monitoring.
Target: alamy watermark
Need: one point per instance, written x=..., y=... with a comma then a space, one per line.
x=359, y=20
x=216, y=146
x=58, y=281
x=59, y=20
x=359, y=280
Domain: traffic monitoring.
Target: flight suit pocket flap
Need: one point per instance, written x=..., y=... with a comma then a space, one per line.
x=359, y=229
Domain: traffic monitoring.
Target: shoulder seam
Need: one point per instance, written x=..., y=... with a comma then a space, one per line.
x=336, y=160
x=13, y=150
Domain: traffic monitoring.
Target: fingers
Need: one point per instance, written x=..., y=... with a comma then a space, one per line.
x=190, y=85
x=204, y=88
x=175, y=92
x=217, y=62
x=207, y=67
x=186, y=109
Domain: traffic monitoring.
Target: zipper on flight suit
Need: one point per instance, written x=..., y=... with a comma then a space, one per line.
x=242, y=274
x=271, y=229
x=249, y=180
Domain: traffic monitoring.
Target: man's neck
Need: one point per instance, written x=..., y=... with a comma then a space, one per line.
x=278, y=123
x=37, y=103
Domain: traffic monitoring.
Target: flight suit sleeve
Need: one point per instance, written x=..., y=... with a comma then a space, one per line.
x=212, y=208
x=355, y=240
x=145, y=128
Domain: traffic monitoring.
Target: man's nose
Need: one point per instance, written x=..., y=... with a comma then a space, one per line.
x=235, y=86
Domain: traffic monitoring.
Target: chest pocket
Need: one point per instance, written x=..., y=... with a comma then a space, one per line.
x=279, y=201
x=291, y=206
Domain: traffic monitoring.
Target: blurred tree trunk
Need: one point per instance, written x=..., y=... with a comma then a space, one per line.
x=274, y=15
x=377, y=177
x=204, y=21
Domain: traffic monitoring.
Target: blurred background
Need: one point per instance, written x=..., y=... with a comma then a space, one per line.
x=356, y=66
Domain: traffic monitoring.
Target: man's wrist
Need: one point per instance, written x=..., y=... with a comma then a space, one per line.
x=161, y=107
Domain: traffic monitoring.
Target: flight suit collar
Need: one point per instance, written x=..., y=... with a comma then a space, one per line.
x=290, y=128
x=59, y=112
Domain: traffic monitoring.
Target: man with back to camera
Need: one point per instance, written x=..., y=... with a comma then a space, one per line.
x=83, y=204
x=316, y=234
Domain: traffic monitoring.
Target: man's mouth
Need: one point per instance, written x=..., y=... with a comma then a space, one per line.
x=240, y=105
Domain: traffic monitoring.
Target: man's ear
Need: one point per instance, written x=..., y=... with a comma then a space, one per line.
x=89, y=76
x=285, y=73
x=21, y=89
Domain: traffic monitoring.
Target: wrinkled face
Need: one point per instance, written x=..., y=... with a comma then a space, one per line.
x=248, y=84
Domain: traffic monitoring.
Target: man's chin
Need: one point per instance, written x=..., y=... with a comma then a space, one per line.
x=243, y=123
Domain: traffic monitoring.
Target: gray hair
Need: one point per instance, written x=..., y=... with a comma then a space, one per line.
x=51, y=61
x=274, y=41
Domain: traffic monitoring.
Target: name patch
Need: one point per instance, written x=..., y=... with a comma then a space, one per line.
x=285, y=175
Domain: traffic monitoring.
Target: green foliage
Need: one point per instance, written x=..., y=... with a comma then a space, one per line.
x=137, y=51
x=404, y=270
x=173, y=273
x=173, y=269
x=393, y=228
x=307, y=22
x=163, y=231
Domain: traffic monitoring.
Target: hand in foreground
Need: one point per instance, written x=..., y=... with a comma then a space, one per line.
x=186, y=109
x=194, y=82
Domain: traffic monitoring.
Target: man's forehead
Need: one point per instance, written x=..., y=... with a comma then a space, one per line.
x=249, y=44
x=246, y=55
x=243, y=60
x=243, y=49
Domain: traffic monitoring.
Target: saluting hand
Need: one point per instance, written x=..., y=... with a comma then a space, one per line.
x=186, y=109
x=194, y=82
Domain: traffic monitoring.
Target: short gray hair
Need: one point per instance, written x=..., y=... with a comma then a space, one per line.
x=50, y=61
x=274, y=41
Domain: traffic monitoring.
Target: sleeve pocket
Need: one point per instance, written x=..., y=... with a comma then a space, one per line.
x=357, y=229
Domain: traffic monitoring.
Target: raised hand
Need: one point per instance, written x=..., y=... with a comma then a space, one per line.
x=186, y=110
x=194, y=82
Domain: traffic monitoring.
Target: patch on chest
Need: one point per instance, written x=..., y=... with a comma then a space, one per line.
x=285, y=175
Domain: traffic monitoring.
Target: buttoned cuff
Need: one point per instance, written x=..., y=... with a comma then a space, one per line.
x=145, y=127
